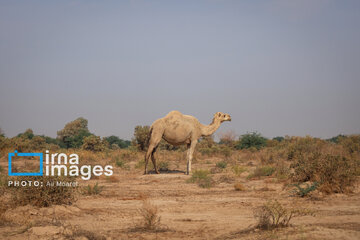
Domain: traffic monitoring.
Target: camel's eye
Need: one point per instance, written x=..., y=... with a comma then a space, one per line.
x=224, y=115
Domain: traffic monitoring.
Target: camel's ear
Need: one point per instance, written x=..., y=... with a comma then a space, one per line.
x=218, y=114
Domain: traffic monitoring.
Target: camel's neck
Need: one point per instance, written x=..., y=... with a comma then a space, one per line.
x=207, y=130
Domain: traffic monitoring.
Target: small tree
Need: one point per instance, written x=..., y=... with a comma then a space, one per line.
x=74, y=132
x=28, y=134
x=141, y=135
x=94, y=143
x=251, y=140
x=117, y=141
x=279, y=138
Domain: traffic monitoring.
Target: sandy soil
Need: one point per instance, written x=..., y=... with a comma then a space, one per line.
x=187, y=211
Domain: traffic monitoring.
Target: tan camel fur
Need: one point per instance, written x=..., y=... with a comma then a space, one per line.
x=177, y=129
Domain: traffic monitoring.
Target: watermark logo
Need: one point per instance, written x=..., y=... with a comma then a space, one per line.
x=15, y=153
x=60, y=164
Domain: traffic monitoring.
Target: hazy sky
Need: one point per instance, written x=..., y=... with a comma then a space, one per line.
x=277, y=67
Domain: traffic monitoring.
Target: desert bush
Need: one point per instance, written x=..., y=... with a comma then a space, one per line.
x=94, y=144
x=202, y=178
x=46, y=195
x=251, y=140
x=279, y=139
x=262, y=171
x=304, y=191
x=221, y=164
x=28, y=134
x=238, y=170
x=94, y=189
x=114, y=140
x=334, y=173
x=114, y=146
x=225, y=151
x=73, y=133
x=282, y=170
x=207, y=146
x=297, y=146
x=78, y=233
x=163, y=166
x=141, y=137
x=207, y=142
x=350, y=143
x=207, y=151
x=120, y=163
x=273, y=215
x=150, y=216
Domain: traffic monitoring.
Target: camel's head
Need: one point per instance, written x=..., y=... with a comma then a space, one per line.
x=222, y=116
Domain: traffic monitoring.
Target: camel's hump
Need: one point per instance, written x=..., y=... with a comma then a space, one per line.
x=174, y=112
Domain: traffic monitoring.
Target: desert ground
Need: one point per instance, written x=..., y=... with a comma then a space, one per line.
x=185, y=210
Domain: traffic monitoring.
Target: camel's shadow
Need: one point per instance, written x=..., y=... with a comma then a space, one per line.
x=166, y=171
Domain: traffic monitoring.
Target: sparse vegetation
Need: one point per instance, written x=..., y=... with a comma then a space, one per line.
x=238, y=170
x=163, y=166
x=251, y=140
x=141, y=136
x=262, y=171
x=304, y=191
x=94, y=189
x=150, y=216
x=43, y=196
x=94, y=143
x=202, y=178
x=273, y=215
x=221, y=165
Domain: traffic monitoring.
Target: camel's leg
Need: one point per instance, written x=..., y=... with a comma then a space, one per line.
x=190, y=156
x=154, y=161
x=153, y=143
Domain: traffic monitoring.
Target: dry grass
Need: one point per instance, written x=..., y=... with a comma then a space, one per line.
x=273, y=215
x=42, y=196
x=202, y=178
x=239, y=187
x=150, y=216
x=94, y=189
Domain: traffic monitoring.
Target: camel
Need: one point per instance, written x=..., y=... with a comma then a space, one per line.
x=177, y=129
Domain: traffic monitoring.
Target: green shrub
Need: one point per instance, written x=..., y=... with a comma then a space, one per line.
x=73, y=133
x=93, y=189
x=304, y=191
x=251, y=140
x=202, y=178
x=116, y=141
x=221, y=165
